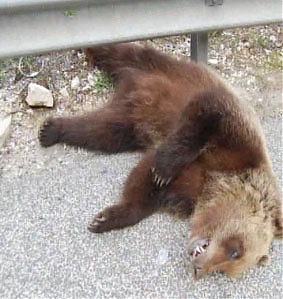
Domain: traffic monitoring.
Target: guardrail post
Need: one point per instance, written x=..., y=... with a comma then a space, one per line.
x=199, y=47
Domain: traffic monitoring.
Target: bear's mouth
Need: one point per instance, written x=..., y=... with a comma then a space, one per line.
x=198, y=247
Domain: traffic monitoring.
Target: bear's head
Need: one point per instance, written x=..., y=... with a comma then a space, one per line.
x=234, y=223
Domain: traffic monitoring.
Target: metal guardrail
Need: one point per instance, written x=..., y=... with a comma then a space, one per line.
x=36, y=26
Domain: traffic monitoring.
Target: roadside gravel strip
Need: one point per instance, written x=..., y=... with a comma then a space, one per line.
x=47, y=252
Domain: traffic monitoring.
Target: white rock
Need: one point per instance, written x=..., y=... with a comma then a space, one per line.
x=75, y=83
x=5, y=128
x=39, y=96
x=272, y=38
x=64, y=93
x=212, y=61
x=91, y=79
x=163, y=256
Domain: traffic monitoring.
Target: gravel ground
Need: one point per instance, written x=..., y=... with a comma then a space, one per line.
x=49, y=195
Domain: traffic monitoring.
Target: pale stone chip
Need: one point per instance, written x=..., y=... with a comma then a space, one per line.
x=75, y=83
x=39, y=96
x=5, y=127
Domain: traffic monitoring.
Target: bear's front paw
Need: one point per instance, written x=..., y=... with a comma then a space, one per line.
x=165, y=166
x=169, y=162
x=49, y=133
x=158, y=179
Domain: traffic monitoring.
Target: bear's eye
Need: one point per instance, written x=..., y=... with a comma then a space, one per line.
x=234, y=254
x=233, y=247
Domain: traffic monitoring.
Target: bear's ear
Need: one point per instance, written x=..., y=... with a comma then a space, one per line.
x=264, y=260
x=278, y=227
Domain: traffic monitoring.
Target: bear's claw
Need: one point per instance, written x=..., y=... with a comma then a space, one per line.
x=158, y=180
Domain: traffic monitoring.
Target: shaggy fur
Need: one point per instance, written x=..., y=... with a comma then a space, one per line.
x=205, y=155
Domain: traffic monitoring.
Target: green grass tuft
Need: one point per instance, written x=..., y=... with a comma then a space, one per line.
x=262, y=42
x=274, y=61
x=214, y=33
x=70, y=13
x=102, y=82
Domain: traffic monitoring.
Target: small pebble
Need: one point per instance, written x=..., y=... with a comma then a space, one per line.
x=75, y=83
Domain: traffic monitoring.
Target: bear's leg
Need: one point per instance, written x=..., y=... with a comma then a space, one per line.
x=199, y=122
x=106, y=130
x=139, y=200
x=115, y=57
x=118, y=216
x=210, y=121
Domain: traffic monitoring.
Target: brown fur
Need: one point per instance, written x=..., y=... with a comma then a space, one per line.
x=200, y=137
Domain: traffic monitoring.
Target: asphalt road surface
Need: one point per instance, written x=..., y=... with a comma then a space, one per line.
x=47, y=252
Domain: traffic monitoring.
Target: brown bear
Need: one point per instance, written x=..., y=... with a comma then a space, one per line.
x=205, y=156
